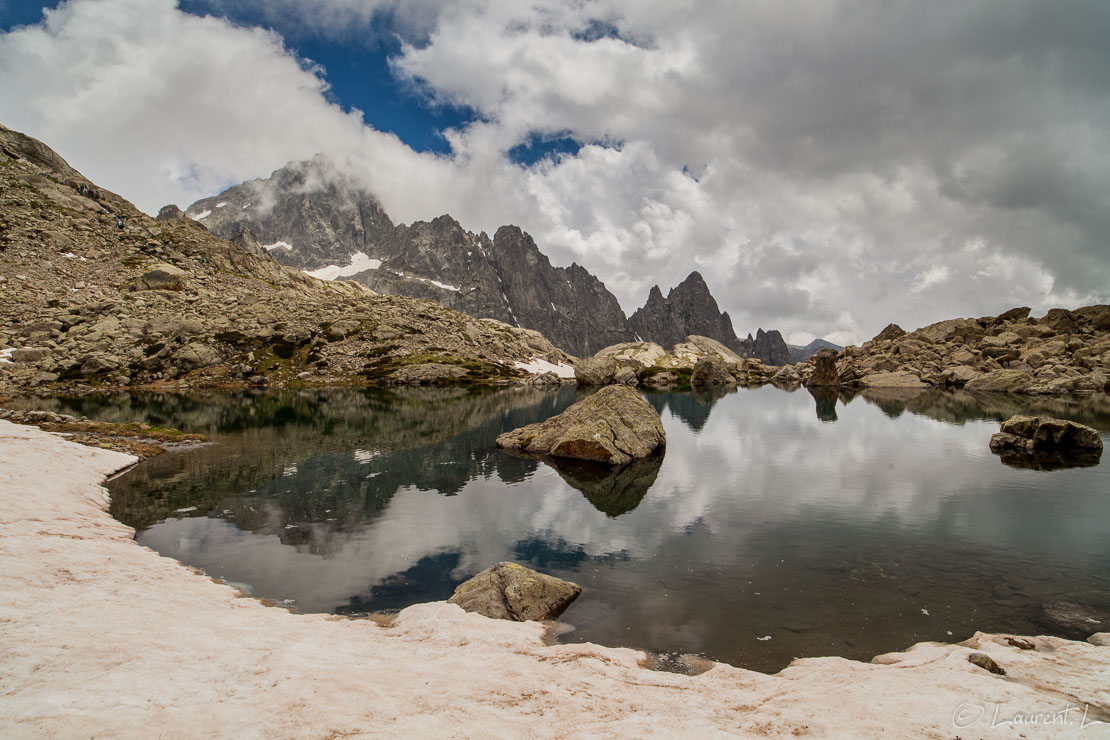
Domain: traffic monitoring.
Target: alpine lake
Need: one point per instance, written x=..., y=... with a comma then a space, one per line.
x=776, y=525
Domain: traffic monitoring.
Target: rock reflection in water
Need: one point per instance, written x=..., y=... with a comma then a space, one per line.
x=825, y=397
x=612, y=490
x=1048, y=461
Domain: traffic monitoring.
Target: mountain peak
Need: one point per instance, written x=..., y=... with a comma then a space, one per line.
x=689, y=308
x=694, y=284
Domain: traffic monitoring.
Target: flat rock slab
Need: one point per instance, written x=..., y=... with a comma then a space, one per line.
x=615, y=426
x=513, y=592
x=900, y=379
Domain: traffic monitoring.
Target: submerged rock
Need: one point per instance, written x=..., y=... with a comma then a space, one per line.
x=513, y=592
x=1078, y=615
x=615, y=426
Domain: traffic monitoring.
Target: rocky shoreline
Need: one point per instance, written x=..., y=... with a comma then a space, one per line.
x=1061, y=353
x=96, y=618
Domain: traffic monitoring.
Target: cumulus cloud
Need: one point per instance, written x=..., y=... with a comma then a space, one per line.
x=829, y=167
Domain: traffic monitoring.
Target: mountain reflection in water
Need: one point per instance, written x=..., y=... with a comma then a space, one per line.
x=834, y=523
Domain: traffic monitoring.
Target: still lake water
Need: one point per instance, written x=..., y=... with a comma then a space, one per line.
x=777, y=525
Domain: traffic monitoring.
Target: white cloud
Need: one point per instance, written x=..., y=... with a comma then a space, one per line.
x=854, y=165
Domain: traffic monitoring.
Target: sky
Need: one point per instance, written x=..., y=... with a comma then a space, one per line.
x=829, y=166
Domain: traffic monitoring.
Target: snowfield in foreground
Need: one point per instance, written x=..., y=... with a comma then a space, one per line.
x=103, y=637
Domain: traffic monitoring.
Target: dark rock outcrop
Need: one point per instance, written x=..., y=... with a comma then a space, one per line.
x=824, y=369
x=170, y=213
x=766, y=346
x=890, y=333
x=615, y=426
x=162, y=277
x=513, y=592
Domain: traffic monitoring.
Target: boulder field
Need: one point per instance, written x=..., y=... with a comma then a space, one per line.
x=95, y=294
x=1061, y=353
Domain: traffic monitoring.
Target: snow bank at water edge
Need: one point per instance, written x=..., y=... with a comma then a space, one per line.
x=539, y=365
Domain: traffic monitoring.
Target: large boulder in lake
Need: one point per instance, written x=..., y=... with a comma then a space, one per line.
x=1045, y=434
x=1044, y=443
x=513, y=592
x=615, y=426
x=824, y=369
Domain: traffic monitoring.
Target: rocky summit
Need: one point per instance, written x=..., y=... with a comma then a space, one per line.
x=311, y=216
x=690, y=309
x=93, y=294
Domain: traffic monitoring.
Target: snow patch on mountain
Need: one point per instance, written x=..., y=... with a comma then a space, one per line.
x=360, y=262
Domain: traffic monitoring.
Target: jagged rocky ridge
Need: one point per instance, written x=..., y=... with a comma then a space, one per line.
x=94, y=293
x=1060, y=353
x=690, y=309
x=310, y=216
